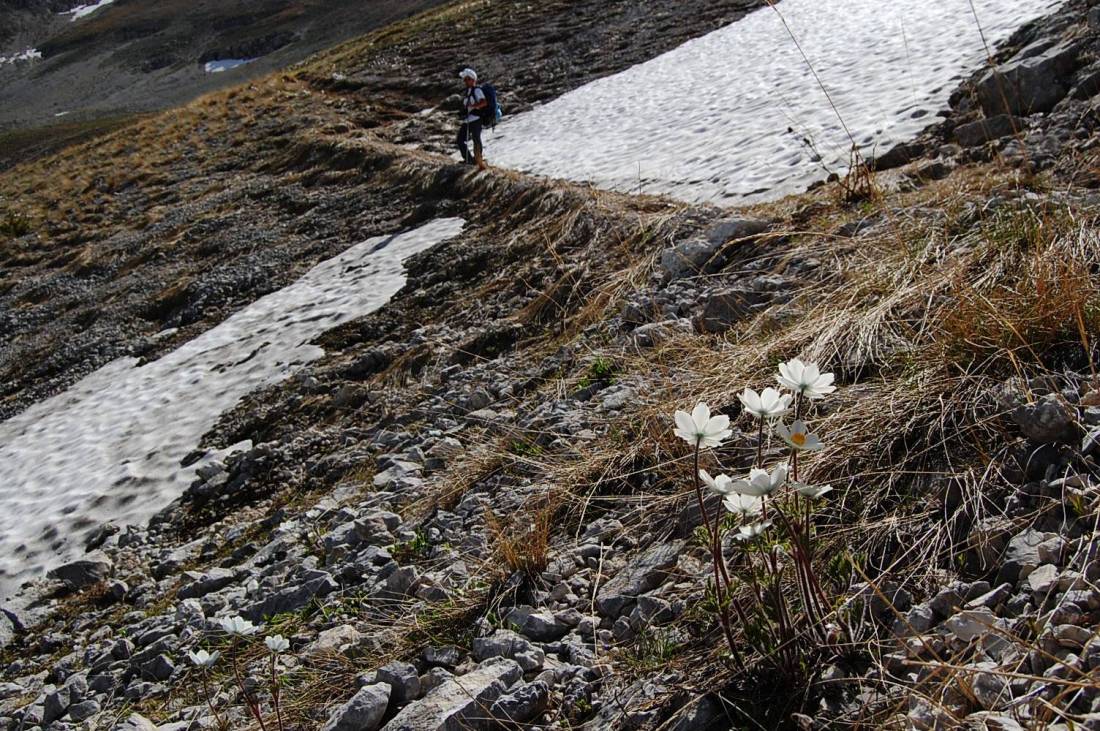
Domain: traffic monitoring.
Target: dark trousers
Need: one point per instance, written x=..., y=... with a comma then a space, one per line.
x=469, y=131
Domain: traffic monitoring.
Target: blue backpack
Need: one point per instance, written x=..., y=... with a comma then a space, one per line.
x=491, y=113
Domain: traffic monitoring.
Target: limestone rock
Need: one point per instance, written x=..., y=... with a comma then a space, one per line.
x=1028, y=84
x=84, y=572
x=363, y=712
x=645, y=573
x=977, y=133
x=403, y=681
x=459, y=702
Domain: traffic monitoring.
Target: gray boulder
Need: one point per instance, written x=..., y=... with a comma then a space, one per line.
x=1029, y=83
x=507, y=644
x=1023, y=548
x=56, y=705
x=460, y=703
x=200, y=584
x=84, y=710
x=696, y=714
x=1048, y=421
x=539, y=625
x=292, y=598
x=687, y=258
x=725, y=308
x=694, y=256
x=403, y=680
x=363, y=712
x=731, y=229
x=136, y=722
x=645, y=573
x=977, y=133
x=84, y=572
x=522, y=704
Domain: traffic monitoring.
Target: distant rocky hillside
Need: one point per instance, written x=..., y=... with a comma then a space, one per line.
x=139, y=55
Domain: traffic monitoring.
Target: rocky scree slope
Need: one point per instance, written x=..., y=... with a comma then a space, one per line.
x=157, y=242
x=485, y=500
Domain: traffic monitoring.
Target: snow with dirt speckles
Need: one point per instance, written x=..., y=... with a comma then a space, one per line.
x=109, y=448
x=736, y=116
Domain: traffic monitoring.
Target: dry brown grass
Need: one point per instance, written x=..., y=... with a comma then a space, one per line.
x=523, y=542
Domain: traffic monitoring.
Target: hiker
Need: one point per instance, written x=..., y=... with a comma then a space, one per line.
x=472, y=103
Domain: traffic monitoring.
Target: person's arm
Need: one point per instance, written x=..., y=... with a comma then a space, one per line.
x=480, y=102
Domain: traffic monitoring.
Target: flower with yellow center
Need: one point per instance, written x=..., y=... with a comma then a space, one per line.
x=799, y=436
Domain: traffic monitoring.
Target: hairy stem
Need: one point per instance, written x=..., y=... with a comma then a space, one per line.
x=210, y=702
x=275, y=693
x=253, y=706
x=716, y=560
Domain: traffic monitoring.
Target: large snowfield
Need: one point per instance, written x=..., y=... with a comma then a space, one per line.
x=109, y=448
x=736, y=116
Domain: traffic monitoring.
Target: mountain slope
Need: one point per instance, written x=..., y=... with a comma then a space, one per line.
x=138, y=56
x=477, y=491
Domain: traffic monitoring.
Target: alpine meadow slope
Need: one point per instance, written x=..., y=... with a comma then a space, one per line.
x=476, y=505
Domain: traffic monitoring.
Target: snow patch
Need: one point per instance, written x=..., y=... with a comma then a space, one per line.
x=109, y=448
x=736, y=115
x=224, y=64
x=31, y=54
x=82, y=10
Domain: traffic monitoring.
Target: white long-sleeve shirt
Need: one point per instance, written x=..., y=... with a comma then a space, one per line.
x=474, y=97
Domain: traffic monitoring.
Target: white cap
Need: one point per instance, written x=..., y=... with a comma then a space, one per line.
x=468, y=74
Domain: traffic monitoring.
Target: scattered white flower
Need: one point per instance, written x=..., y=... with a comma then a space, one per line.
x=811, y=491
x=701, y=429
x=203, y=659
x=806, y=379
x=753, y=530
x=769, y=404
x=799, y=436
x=760, y=482
x=719, y=485
x=237, y=626
x=746, y=506
x=277, y=643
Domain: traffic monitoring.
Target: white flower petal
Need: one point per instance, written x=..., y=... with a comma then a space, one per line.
x=700, y=415
x=684, y=423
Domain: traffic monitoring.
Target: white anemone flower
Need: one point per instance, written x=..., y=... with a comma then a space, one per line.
x=753, y=530
x=812, y=492
x=719, y=485
x=747, y=506
x=806, y=379
x=277, y=644
x=204, y=659
x=237, y=626
x=701, y=429
x=760, y=482
x=768, y=404
x=799, y=436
